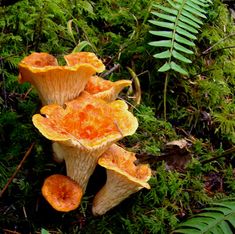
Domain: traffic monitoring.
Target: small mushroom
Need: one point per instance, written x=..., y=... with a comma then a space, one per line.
x=105, y=89
x=83, y=129
x=58, y=84
x=62, y=193
x=123, y=178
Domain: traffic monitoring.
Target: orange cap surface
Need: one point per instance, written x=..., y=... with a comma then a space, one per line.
x=62, y=193
x=84, y=57
x=118, y=159
x=105, y=89
x=97, y=84
x=88, y=120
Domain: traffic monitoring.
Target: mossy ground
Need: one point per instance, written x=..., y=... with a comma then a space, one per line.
x=118, y=33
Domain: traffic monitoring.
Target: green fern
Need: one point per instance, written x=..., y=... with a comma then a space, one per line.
x=219, y=218
x=181, y=23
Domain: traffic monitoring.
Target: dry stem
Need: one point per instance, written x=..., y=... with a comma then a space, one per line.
x=17, y=169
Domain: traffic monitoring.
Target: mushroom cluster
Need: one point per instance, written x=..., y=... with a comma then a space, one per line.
x=83, y=119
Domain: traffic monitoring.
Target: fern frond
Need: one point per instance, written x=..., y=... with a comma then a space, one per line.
x=219, y=218
x=180, y=22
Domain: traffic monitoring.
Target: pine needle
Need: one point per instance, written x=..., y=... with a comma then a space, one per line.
x=17, y=169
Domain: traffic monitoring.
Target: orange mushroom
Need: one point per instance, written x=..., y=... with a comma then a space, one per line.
x=83, y=129
x=58, y=84
x=105, y=89
x=62, y=193
x=123, y=178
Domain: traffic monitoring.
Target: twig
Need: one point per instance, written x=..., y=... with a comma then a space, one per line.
x=25, y=214
x=148, y=158
x=27, y=93
x=225, y=153
x=17, y=169
x=165, y=95
x=116, y=124
x=7, y=231
x=223, y=39
x=136, y=83
x=224, y=48
x=4, y=84
x=132, y=106
x=115, y=67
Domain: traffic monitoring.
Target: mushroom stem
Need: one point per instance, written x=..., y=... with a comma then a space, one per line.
x=80, y=162
x=116, y=189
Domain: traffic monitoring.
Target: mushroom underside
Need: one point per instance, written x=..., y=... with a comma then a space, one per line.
x=116, y=189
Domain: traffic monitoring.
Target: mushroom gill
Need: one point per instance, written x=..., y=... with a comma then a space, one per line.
x=58, y=84
x=123, y=178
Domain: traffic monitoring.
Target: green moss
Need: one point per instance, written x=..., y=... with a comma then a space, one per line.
x=152, y=132
x=118, y=33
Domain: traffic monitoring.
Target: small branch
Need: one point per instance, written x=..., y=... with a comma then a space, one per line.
x=115, y=67
x=10, y=231
x=225, y=153
x=148, y=158
x=4, y=83
x=17, y=169
x=224, y=48
x=165, y=95
x=136, y=85
x=27, y=93
x=218, y=42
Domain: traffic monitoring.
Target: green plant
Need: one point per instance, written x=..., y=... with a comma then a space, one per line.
x=180, y=22
x=44, y=231
x=225, y=121
x=218, y=218
x=118, y=32
x=152, y=132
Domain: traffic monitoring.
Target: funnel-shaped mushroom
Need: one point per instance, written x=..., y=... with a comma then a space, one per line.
x=105, y=89
x=58, y=84
x=62, y=193
x=83, y=129
x=123, y=178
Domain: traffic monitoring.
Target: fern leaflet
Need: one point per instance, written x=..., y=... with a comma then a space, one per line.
x=180, y=22
x=219, y=218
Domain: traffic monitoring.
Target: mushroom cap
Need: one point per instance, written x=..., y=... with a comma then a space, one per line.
x=105, y=89
x=86, y=121
x=84, y=58
x=58, y=84
x=62, y=193
x=121, y=161
x=40, y=60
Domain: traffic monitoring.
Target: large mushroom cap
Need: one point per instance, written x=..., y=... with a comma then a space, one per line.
x=62, y=193
x=121, y=161
x=86, y=121
x=105, y=89
x=58, y=84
